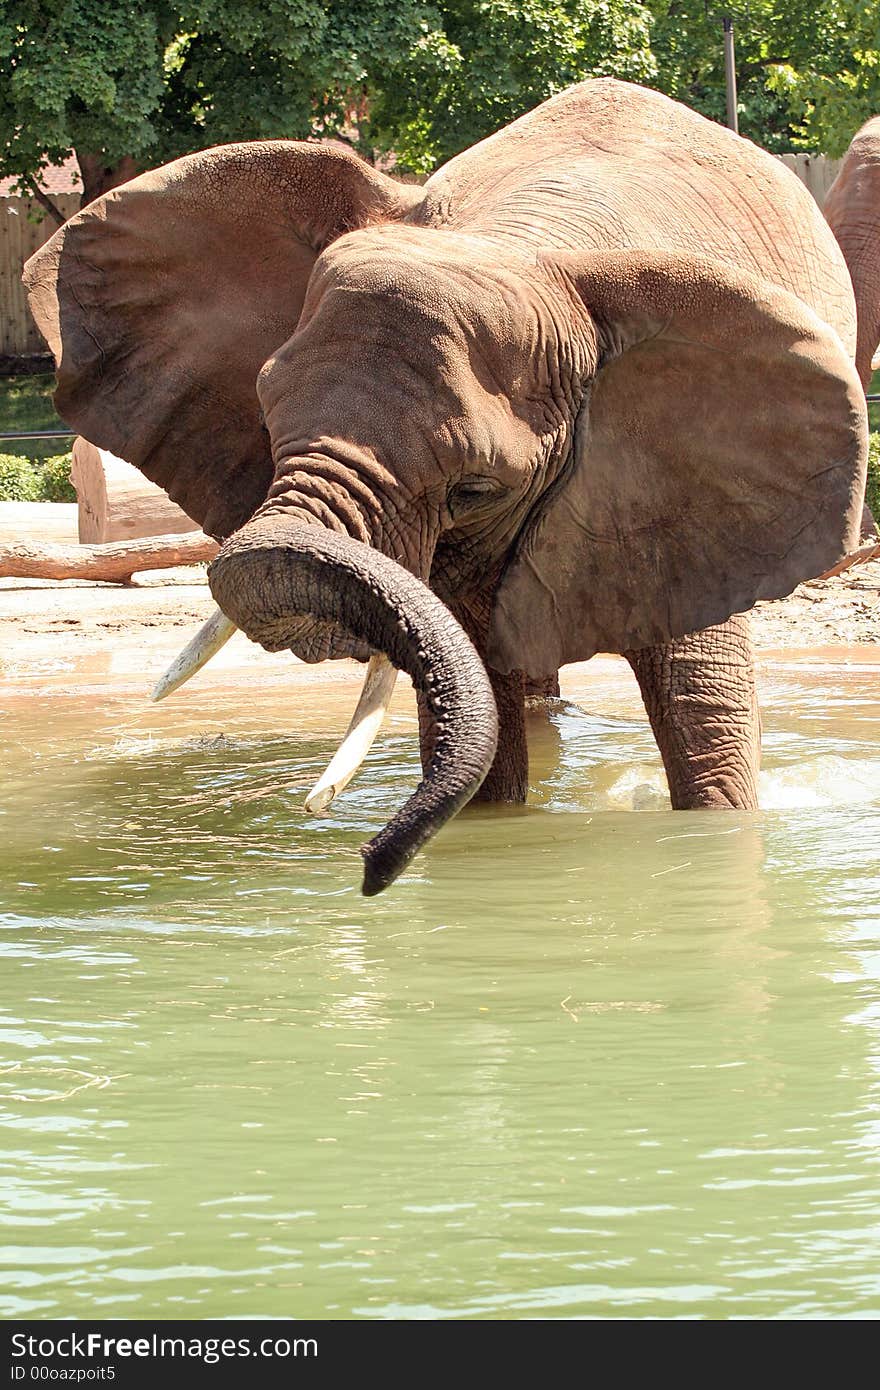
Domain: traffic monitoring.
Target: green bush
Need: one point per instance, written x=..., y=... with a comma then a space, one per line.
x=872, y=492
x=18, y=479
x=54, y=473
x=35, y=480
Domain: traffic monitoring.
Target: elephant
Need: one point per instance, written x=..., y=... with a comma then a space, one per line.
x=852, y=210
x=589, y=388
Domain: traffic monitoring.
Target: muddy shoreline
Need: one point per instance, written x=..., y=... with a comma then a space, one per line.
x=46, y=624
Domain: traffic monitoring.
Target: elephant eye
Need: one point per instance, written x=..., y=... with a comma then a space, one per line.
x=469, y=493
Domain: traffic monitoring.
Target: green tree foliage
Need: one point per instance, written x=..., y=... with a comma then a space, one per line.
x=485, y=62
x=833, y=85
x=128, y=86
x=290, y=68
x=808, y=71
x=84, y=75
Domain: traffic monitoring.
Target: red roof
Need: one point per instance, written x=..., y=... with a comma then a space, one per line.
x=58, y=178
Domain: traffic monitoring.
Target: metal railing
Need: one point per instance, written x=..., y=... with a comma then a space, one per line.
x=38, y=434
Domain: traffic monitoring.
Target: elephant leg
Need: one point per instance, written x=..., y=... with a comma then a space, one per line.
x=541, y=689
x=701, y=700
x=508, y=777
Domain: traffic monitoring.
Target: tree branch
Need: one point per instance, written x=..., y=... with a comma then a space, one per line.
x=43, y=199
x=871, y=551
x=112, y=563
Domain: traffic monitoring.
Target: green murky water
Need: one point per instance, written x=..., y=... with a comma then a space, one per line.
x=584, y=1061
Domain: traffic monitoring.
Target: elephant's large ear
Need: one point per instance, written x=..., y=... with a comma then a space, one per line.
x=162, y=300
x=719, y=458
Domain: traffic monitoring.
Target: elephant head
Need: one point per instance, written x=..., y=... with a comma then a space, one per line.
x=383, y=419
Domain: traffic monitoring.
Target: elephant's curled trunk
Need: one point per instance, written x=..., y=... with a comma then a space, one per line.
x=274, y=571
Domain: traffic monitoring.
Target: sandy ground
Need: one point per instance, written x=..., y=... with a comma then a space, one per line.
x=46, y=623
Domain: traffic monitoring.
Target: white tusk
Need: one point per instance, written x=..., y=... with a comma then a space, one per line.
x=207, y=641
x=365, y=724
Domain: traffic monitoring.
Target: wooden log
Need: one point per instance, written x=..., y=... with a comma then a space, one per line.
x=113, y=563
x=117, y=503
x=871, y=551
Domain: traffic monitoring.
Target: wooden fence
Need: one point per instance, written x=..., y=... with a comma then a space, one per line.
x=817, y=171
x=21, y=234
